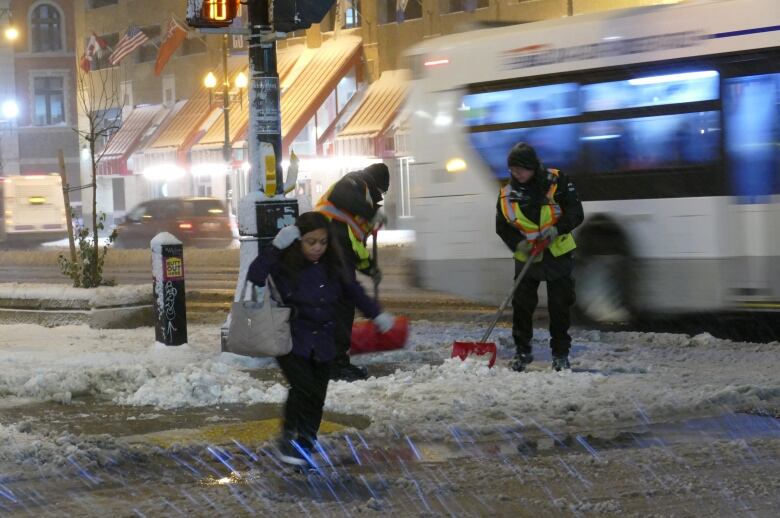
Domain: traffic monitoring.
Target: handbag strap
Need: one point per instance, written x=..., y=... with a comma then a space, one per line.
x=274, y=291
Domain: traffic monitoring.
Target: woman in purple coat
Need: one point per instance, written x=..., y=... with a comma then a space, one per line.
x=309, y=274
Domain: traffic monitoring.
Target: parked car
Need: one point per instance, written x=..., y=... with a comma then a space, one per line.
x=198, y=222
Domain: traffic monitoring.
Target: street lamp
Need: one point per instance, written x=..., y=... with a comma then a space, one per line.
x=11, y=33
x=210, y=81
x=241, y=82
x=10, y=110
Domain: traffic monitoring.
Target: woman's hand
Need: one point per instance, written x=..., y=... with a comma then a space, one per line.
x=286, y=237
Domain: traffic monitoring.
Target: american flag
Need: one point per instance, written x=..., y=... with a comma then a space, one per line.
x=132, y=39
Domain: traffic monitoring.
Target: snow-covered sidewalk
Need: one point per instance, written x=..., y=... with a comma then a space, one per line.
x=617, y=377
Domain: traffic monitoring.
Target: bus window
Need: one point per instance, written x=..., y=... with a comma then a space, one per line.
x=520, y=105
x=651, y=91
x=557, y=146
x=686, y=139
x=751, y=107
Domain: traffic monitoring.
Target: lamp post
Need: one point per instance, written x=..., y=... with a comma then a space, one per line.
x=210, y=82
x=10, y=110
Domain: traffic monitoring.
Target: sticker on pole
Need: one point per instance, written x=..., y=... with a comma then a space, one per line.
x=174, y=269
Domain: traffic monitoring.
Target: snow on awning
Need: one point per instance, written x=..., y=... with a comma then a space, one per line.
x=124, y=141
x=362, y=135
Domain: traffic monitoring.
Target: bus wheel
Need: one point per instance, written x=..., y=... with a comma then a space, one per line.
x=604, y=277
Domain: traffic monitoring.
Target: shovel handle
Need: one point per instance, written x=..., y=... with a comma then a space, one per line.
x=536, y=250
x=375, y=254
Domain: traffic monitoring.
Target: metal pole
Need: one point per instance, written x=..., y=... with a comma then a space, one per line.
x=227, y=149
x=265, y=122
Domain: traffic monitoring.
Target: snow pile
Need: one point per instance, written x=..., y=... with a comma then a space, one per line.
x=20, y=447
x=104, y=296
x=618, y=377
x=201, y=385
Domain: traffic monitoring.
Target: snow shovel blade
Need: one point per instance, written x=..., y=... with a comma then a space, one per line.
x=463, y=349
x=367, y=339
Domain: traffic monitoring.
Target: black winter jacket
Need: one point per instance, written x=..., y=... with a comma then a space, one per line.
x=531, y=197
x=349, y=194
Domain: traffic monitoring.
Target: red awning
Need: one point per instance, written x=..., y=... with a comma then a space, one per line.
x=114, y=159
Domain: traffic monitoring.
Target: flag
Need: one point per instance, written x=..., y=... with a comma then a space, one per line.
x=133, y=38
x=94, y=45
x=173, y=36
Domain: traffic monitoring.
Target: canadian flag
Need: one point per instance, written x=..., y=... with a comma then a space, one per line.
x=94, y=45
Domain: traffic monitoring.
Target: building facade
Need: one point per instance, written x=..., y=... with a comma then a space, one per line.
x=37, y=90
x=342, y=89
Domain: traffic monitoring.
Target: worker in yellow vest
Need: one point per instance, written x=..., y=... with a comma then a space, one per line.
x=353, y=205
x=539, y=205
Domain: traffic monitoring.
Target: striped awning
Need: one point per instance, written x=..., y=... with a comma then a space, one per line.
x=114, y=159
x=187, y=126
x=314, y=77
x=362, y=135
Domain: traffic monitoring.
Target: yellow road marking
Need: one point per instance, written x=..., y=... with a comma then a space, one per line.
x=248, y=432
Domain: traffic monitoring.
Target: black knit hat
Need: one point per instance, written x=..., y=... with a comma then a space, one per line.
x=379, y=175
x=522, y=155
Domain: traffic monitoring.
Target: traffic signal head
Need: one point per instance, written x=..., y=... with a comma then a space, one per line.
x=211, y=13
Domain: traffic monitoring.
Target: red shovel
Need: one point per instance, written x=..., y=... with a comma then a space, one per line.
x=463, y=349
x=366, y=338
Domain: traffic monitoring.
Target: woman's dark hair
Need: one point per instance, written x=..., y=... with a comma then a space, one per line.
x=293, y=260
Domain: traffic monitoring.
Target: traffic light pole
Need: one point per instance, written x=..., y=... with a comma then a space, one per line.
x=265, y=122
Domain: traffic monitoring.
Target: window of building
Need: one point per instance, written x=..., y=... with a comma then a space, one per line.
x=352, y=15
x=454, y=6
x=411, y=11
x=126, y=94
x=169, y=90
x=46, y=29
x=196, y=45
x=148, y=52
x=326, y=114
x=107, y=123
x=391, y=11
x=48, y=101
x=346, y=88
x=95, y=4
x=306, y=141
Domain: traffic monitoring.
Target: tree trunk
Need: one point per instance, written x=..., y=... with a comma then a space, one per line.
x=95, y=249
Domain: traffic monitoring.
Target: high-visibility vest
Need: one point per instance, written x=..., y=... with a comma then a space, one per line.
x=548, y=216
x=358, y=228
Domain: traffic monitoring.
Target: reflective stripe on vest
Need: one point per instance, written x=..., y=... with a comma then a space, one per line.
x=358, y=225
x=360, y=250
x=548, y=216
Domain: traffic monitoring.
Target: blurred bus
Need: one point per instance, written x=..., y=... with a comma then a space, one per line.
x=667, y=118
x=32, y=208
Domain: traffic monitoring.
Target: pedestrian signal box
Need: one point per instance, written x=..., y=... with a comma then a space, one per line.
x=211, y=13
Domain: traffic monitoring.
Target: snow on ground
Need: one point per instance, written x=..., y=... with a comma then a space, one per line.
x=617, y=377
x=103, y=296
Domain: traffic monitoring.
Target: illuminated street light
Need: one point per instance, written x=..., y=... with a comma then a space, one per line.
x=10, y=110
x=241, y=80
x=241, y=83
x=11, y=33
x=210, y=81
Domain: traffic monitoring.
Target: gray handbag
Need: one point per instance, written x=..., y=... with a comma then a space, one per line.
x=259, y=329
